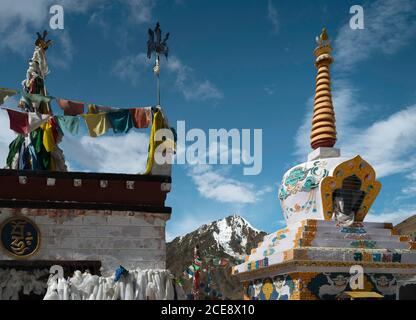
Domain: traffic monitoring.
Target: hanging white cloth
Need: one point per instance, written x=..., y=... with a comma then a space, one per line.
x=15, y=282
x=135, y=285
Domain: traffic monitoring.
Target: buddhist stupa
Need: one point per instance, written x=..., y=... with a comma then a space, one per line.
x=325, y=201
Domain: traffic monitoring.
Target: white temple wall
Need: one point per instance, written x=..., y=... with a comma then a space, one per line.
x=132, y=239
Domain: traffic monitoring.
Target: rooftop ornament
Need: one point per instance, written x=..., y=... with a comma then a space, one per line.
x=156, y=45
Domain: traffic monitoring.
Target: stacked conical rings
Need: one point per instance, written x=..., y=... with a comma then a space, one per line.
x=323, y=132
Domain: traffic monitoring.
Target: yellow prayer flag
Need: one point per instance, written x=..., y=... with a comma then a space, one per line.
x=97, y=124
x=158, y=123
x=48, y=139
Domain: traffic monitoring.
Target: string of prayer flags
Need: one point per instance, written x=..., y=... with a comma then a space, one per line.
x=99, y=109
x=6, y=94
x=97, y=124
x=95, y=108
x=121, y=121
x=69, y=123
x=71, y=108
x=141, y=117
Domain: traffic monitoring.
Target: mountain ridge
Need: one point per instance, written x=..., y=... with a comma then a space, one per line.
x=228, y=239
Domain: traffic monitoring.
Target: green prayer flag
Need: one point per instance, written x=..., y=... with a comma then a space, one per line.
x=121, y=121
x=14, y=148
x=69, y=123
x=36, y=98
x=44, y=157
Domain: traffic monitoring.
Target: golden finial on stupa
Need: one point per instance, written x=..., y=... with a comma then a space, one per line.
x=323, y=132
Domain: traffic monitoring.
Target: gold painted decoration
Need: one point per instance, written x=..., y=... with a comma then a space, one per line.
x=20, y=237
x=363, y=171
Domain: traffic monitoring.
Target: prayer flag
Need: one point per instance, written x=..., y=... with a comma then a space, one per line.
x=71, y=108
x=121, y=121
x=141, y=117
x=19, y=121
x=36, y=98
x=69, y=123
x=49, y=141
x=97, y=124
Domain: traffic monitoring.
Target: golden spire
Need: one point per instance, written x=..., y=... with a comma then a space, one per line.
x=323, y=132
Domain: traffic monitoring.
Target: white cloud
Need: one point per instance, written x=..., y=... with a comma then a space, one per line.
x=133, y=67
x=125, y=153
x=20, y=20
x=271, y=89
x=273, y=16
x=64, y=56
x=140, y=11
x=389, y=26
x=394, y=217
x=409, y=191
x=6, y=135
x=213, y=184
x=186, y=82
x=16, y=18
x=388, y=144
x=186, y=224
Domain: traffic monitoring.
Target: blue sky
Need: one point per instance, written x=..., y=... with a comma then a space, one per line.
x=233, y=64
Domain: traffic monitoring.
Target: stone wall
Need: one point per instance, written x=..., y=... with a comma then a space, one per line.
x=129, y=238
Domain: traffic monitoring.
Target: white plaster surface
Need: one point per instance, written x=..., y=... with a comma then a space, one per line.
x=132, y=239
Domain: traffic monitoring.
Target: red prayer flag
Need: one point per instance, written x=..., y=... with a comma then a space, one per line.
x=71, y=108
x=19, y=121
x=141, y=117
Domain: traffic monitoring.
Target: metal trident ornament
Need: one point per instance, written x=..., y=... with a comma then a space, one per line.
x=158, y=46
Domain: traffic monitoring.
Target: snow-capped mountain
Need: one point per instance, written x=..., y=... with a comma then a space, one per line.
x=230, y=238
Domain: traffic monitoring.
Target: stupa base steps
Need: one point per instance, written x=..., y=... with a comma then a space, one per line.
x=315, y=259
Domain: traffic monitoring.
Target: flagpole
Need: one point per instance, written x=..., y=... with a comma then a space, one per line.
x=156, y=71
x=156, y=45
